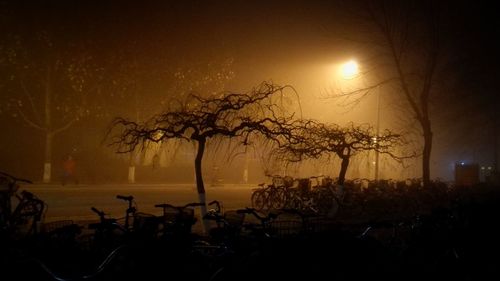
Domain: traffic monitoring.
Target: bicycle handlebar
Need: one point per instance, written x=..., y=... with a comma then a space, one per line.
x=15, y=179
x=217, y=205
x=163, y=205
x=193, y=205
x=254, y=212
x=126, y=198
x=178, y=208
x=246, y=210
x=99, y=213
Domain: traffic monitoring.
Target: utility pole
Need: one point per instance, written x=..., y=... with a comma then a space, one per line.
x=245, y=169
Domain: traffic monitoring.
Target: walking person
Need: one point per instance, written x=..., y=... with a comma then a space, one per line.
x=69, y=170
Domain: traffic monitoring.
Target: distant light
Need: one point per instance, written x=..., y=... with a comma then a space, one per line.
x=349, y=69
x=489, y=168
x=374, y=162
x=462, y=163
x=482, y=168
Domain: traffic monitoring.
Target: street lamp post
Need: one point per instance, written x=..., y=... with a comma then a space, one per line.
x=245, y=169
x=350, y=70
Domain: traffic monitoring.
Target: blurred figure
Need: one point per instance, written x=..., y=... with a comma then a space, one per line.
x=156, y=161
x=69, y=170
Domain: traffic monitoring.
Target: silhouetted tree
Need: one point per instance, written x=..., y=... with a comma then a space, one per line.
x=312, y=139
x=231, y=115
x=404, y=44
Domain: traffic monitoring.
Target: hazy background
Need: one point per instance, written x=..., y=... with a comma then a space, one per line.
x=135, y=55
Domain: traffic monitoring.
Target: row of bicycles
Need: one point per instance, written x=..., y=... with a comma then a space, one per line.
x=283, y=242
x=137, y=245
x=355, y=198
x=315, y=194
x=106, y=249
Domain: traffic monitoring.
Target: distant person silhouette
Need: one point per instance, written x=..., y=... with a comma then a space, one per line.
x=156, y=161
x=69, y=170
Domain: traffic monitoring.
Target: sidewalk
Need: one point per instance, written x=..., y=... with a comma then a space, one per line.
x=49, y=186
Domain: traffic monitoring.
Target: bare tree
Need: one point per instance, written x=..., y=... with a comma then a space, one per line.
x=402, y=43
x=49, y=84
x=312, y=139
x=199, y=119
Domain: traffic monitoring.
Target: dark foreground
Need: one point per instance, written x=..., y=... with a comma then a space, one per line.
x=454, y=238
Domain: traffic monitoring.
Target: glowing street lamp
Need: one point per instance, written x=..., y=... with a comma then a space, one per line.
x=349, y=69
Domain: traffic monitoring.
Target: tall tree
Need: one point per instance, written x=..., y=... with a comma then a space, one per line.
x=403, y=43
x=49, y=83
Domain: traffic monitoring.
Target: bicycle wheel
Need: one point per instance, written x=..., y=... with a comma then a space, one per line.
x=277, y=198
x=258, y=199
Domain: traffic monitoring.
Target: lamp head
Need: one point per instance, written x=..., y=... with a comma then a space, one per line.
x=349, y=69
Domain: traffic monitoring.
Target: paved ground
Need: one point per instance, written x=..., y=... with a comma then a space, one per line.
x=74, y=201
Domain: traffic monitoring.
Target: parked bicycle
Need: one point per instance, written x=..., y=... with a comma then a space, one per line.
x=134, y=227
x=142, y=226
x=314, y=195
x=273, y=195
x=22, y=218
x=228, y=224
x=177, y=221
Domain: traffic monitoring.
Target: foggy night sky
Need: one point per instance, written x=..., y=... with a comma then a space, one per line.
x=287, y=42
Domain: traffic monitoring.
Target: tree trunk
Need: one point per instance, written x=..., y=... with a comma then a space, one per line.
x=426, y=155
x=47, y=167
x=199, y=182
x=343, y=169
